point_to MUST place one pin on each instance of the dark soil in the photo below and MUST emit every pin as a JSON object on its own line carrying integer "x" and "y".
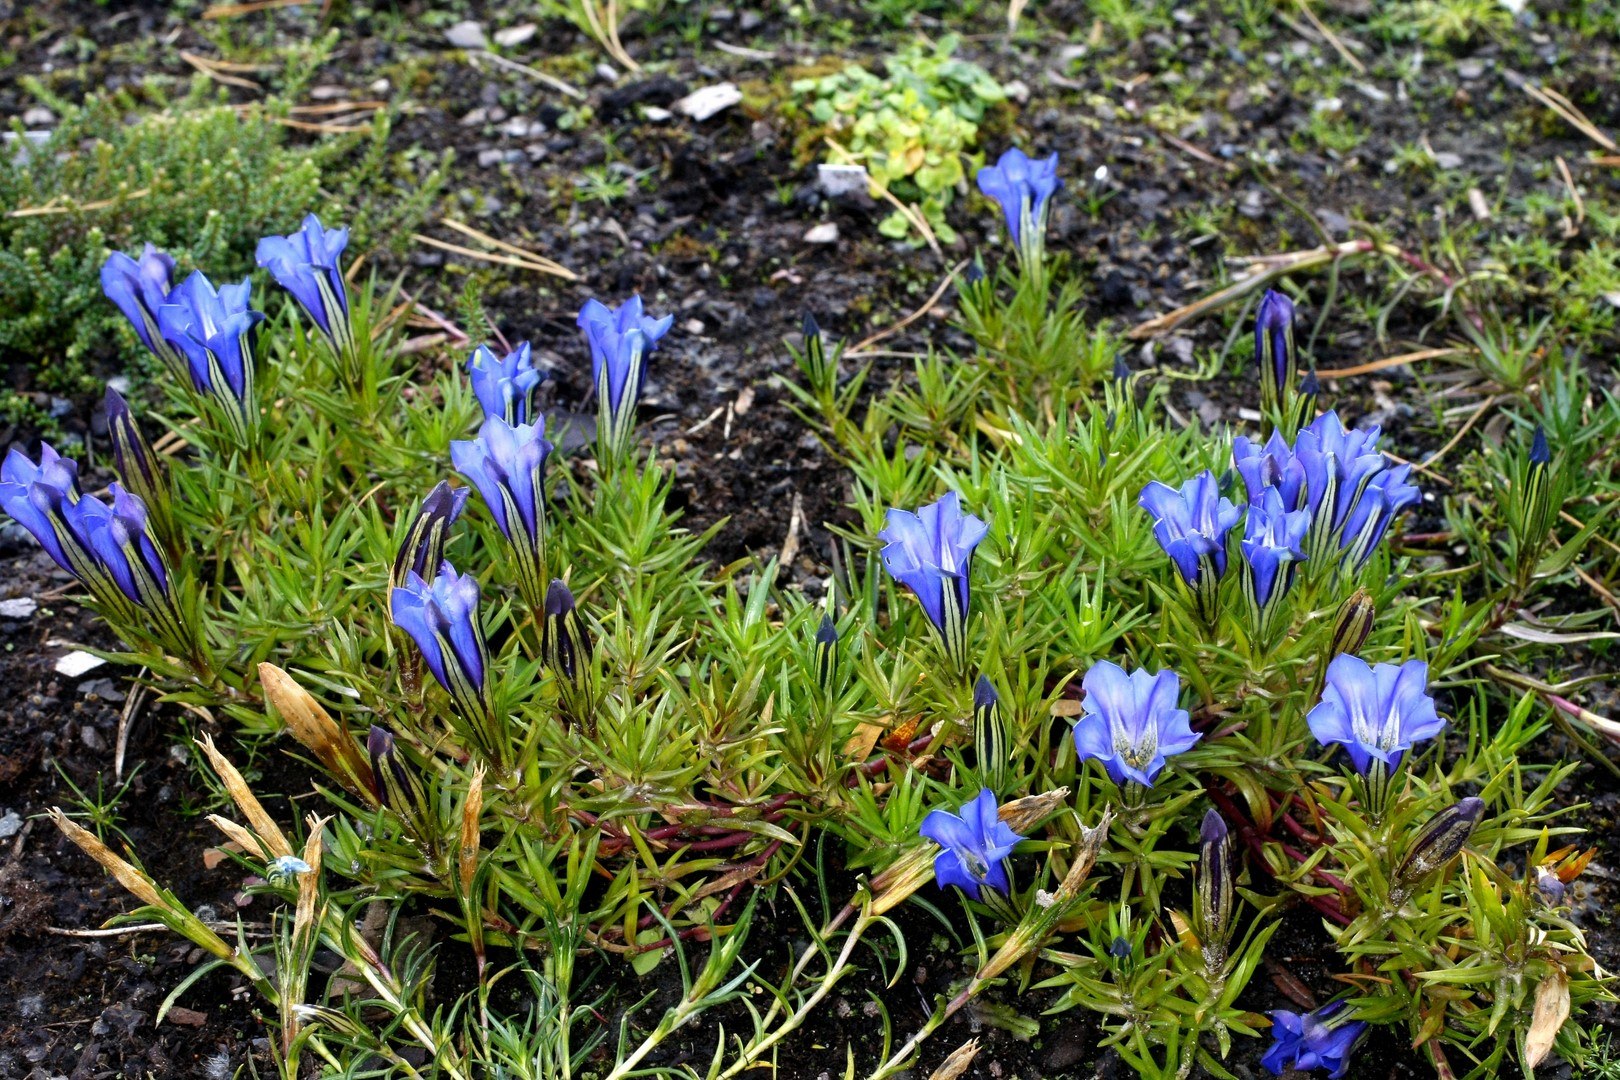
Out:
{"x": 713, "y": 231}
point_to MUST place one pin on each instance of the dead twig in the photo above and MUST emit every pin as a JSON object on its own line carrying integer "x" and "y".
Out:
{"x": 1455, "y": 439}
{"x": 928, "y": 305}
{"x": 1388, "y": 362}
{"x": 537, "y": 75}
{"x": 1332, "y": 39}
{"x": 1563, "y": 107}
{"x": 503, "y": 260}
{"x": 55, "y": 207}
{"x": 553, "y": 266}
{"x": 231, "y": 11}
{"x": 218, "y": 70}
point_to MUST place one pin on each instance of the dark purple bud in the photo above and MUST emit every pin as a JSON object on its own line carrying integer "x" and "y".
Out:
{"x": 1215, "y": 895}
{"x": 1310, "y": 385}
{"x": 1122, "y": 370}
{"x": 1440, "y": 841}
{"x": 826, "y": 651}
{"x": 975, "y": 272}
{"x": 1549, "y": 886}
{"x": 422, "y": 552}
{"x": 1539, "y": 453}
{"x": 811, "y": 328}
{"x": 989, "y": 736}
{"x": 565, "y": 645}
{"x": 1274, "y": 348}
{"x": 1120, "y": 949}
{"x": 1352, "y": 624}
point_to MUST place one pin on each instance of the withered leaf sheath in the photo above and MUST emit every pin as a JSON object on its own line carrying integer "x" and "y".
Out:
{"x": 1439, "y": 842}
{"x": 989, "y": 736}
{"x": 1216, "y": 891}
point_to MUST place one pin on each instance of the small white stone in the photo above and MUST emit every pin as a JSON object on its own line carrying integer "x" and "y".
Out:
{"x": 693, "y": 326}
{"x": 837, "y": 181}
{"x": 825, "y": 233}
{"x": 1613, "y": 298}
{"x": 656, "y": 115}
{"x": 78, "y": 662}
{"x": 1329, "y": 105}
{"x": 467, "y": 34}
{"x": 20, "y": 608}
{"x": 513, "y": 36}
{"x": 37, "y": 117}
{"x": 705, "y": 102}
{"x": 10, "y": 825}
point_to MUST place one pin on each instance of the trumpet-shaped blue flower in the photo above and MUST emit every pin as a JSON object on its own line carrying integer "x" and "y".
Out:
{"x": 620, "y": 339}
{"x": 1377, "y": 712}
{"x": 441, "y": 616}
{"x": 505, "y": 385}
{"x": 1130, "y": 723}
{"x": 931, "y": 553}
{"x": 1272, "y": 539}
{"x": 1322, "y": 1039}
{"x": 1273, "y": 465}
{"x": 1191, "y": 526}
{"x": 138, "y": 288}
{"x": 507, "y": 464}
{"x": 1022, "y": 186}
{"x": 35, "y": 495}
{"x": 974, "y": 841}
{"x": 1385, "y": 495}
{"x": 1339, "y": 463}
{"x": 308, "y": 264}
{"x": 213, "y": 329}
{"x": 110, "y": 549}
{"x": 1274, "y": 348}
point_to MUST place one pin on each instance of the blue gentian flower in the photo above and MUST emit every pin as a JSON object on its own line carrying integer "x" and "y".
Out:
{"x": 974, "y": 841}
{"x": 507, "y": 464}
{"x": 504, "y": 386}
{"x": 213, "y": 329}
{"x": 1022, "y": 186}
{"x": 1274, "y": 349}
{"x": 139, "y": 287}
{"x": 931, "y": 553}
{"x": 1315, "y": 1040}
{"x": 442, "y": 618}
{"x": 35, "y": 496}
{"x": 1130, "y": 723}
{"x": 1377, "y": 712}
{"x": 1191, "y": 526}
{"x": 1272, "y": 539}
{"x": 1273, "y": 465}
{"x": 1338, "y": 465}
{"x": 111, "y": 550}
{"x": 308, "y": 264}
{"x": 620, "y": 339}
{"x": 1385, "y": 495}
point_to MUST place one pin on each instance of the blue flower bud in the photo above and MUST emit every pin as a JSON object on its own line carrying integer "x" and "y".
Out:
{"x": 931, "y": 553}
{"x": 1023, "y": 187}
{"x": 308, "y": 264}
{"x": 422, "y": 551}
{"x": 620, "y": 340}
{"x": 505, "y": 386}
{"x": 213, "y": 329}
{"x": 507, "y": 464}
{"x": 139, "y": 287}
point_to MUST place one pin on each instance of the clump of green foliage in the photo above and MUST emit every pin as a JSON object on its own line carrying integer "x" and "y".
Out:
{"x": 201, "y": 179}
{"x": 915, "y": 128}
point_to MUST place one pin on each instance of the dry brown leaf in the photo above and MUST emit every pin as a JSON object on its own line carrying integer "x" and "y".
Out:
{"x": 1551, "y": 1010}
